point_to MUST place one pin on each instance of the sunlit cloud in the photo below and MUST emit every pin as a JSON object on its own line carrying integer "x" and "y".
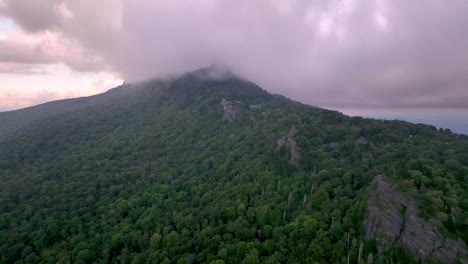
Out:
{"x": 10, "y": 101}
{"x": 26, "y": 85}
{"x": 47, "y": 47}
{"x": 329, "y": 53}
{"x": 381, "y": 20}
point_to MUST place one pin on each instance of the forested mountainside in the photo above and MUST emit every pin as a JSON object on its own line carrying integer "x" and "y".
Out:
{"x": 208, "y": 170}
{"x": 15, "y": 120}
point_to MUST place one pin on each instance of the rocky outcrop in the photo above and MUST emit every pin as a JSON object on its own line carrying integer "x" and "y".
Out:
{"x": 231, "y": 110}
{"x": 392, "y": 220}
{"x": 290, "y": 142}
{"x": 256, "y": 107}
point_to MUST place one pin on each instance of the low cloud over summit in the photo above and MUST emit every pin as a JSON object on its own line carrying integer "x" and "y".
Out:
{"x": 376, "y": 54}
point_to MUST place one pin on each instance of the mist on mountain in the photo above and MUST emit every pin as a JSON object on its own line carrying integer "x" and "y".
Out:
{"x": 208, "y": 167}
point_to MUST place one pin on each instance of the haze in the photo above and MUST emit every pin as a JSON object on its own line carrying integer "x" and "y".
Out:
{"x": 370, "y": 54}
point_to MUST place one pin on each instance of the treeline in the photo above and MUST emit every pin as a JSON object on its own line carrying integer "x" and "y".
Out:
{"x": 166, "y": 180}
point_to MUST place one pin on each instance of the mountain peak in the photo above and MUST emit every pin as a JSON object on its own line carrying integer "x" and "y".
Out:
{"x": 160, "y": 170}
{"x": 214, "y": 72}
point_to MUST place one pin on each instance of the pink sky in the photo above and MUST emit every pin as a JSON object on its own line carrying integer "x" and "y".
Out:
{"x": 39, "y": 72}
{"x": 341, "y": 54}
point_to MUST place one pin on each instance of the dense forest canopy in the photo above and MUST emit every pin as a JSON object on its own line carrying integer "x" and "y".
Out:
{"x": 168, "y": 172}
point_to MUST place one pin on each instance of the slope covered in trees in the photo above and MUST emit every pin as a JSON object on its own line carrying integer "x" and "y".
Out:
{"x": 159, "y": 175}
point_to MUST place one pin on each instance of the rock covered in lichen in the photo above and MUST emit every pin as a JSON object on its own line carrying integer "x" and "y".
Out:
{"x": 231, "y": 109}
{"x": 290, "y": 142}
{"x": 392, "y": 220}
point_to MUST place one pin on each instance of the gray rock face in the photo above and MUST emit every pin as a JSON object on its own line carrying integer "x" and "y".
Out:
{"x": 393, "y": 221}
{"x": 290, "y": 142}
{"x": 231, "y": 110}
{"x": 256, "y": 107}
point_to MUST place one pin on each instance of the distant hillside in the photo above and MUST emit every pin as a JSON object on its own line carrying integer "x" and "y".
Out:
{"x": 455, "y": 120}
{"x": 12, "y": 121}
{"x": 210, "y": 168}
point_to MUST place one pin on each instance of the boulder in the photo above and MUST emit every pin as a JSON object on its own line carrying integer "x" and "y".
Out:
{"x": 290, "y": 142}
{"x": 231, "y": 110}
{"x": 393, "y": 220}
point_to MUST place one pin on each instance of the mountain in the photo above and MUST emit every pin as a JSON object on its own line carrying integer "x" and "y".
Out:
{"x": 210, "y": 168}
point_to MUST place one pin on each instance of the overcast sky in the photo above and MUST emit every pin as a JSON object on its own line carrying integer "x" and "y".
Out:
{"x": 372, "y": 54}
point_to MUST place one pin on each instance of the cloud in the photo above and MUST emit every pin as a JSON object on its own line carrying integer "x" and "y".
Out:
{"x": 9, "y": 101}
{"x": 16, "y": 100}
{"x": 368, "y": 53}
{"x": 23, "y": 85}
{"x": 21, "y": 69}
{"x": 47, "y": 47}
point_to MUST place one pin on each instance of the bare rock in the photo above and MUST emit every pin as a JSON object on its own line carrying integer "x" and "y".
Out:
{"x": 290, "y": 142}
{"x": 256, "y": 107}
{"x": 231, "y": 109}
{"x": 392, "y": 219}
